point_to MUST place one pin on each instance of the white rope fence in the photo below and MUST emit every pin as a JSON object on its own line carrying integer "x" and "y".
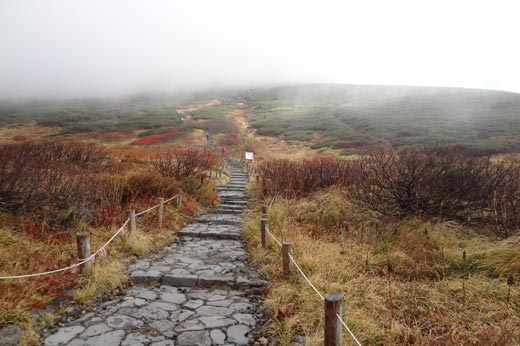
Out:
{"x": 274, "y": 238}
{"x": 309, "y": 282}
{"x": 101, "y": 250}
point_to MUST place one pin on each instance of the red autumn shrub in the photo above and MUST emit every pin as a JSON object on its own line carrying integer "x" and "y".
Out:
{"x": 45, "y": 178}
{"x": 186, "y": 162}
{"x": 293, "y": 179}
{"x": 20, "y": 138}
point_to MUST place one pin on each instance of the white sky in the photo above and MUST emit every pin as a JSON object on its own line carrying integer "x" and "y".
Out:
{"x": 72, "y": 48}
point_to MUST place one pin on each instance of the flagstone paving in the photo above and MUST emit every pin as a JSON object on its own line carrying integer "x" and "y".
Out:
{"x": 200, "y": 290}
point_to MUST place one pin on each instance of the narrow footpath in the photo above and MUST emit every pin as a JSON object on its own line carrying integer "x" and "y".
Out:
{"x": 200, "y": 290}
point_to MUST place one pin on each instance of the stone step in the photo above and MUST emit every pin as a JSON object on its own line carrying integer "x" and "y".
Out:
{"x": 229, "y": 211}
{"x": 230, "y": 207}
{"x": 216, "y": 231}
{"x": 242, "y": 203}
{"x": 233, "y": 195}
{"x": 235, "y": 201}
{"x": 198, "y": 262}
{"x": 237, "y": 184}
{"x": 241, "y": 189}
{"x": 230, "y": 189}
{"x": 232, "y": 186}
{"x": 219, "y": 219}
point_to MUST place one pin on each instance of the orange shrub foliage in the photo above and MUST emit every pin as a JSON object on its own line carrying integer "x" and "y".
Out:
{"x": 184, "y": 163}
{"x": 169, "y": 134}
{"x": 45, "y": 177}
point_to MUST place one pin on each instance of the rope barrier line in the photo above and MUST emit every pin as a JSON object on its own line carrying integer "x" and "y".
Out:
{"x": 169, "y": 199}
{"x": 85, "y": 260}
{"x": 147, "y": 210}
{"x": 155, "y": 206}
{"x": 274, "y": 238}
{"x": 306, "y": 278}
{"x": 314, "y": 288}
{"x": 120, "y": 230}
{"x": 72, "y": 266}
{"x": 323, "y": 298}
{"x": 309, "y": 281}
{"x": 348, "y": 330}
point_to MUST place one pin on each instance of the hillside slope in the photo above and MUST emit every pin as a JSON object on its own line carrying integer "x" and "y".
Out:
{"x": 357, "y": 116}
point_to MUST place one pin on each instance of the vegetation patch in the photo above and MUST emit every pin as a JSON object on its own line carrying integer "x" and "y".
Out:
{"x": 349, "y": 116}
{"x": 404, "y": 282}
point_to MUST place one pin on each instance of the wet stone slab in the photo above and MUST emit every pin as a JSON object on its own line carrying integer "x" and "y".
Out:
{"x": 233, "y": 194}
{"x": 163, "y": 316}
{"x": 197, "y": 262}
{"x": 220, "y": 219}
{"x": 211, "y": 231}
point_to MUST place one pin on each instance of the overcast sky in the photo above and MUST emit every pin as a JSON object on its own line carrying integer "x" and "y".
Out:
{"x": 68, "y": 48}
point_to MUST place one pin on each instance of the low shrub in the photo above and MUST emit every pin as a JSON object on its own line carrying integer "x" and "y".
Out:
{"x": 46, "y": 178}
{"x": 184, "y": 163}
{"x": 442, "y": 182}
{"x": 293, "y": 179}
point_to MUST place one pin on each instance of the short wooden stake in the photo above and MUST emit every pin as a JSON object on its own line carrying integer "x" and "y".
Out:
{"x": 286, "y": 260}
{"x": 160, "y": 212}
{"x": 133, "y": 223}
{"x": 179, "y": 199}
{"x": 264, "y": 209}
{"x": 263, "y": 229}
{"x": 83, "y": 243}
{"x": 333, "y": 331}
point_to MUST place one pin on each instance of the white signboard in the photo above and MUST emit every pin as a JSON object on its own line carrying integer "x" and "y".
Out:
{"x": 249, "y": 156}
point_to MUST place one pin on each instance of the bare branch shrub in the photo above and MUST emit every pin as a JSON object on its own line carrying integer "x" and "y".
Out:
{"x": 186, "y": 162}
{"x": 44, "y": 178}
{"x": 443, "y": 181}
{"x": 296, "y": 179}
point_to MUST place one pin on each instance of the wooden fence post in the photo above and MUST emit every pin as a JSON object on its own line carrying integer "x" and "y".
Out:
{"x": 179, "y": 199}
{"x": 263, "y": 229}
{"x": 83, "y": 243}
{"x": 133, "y": 223}
{"x": 264, "y": 209}
{"x": 333, "y": 331}
{"x": 286, "y": 260}
{"x": 160, "y": 212}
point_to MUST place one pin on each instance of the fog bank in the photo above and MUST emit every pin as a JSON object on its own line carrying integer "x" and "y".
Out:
{"x": 60, "y": 48}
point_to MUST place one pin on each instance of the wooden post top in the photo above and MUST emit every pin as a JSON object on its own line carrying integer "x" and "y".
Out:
{"x": 333, "y": 296}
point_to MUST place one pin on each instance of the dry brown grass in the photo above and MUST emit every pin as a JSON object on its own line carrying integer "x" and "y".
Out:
{"x": 425, "y": 305}
{"x": 19, "y": 298}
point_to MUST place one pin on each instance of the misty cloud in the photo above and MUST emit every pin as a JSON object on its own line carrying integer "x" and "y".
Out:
{"x": 64, "y": 48}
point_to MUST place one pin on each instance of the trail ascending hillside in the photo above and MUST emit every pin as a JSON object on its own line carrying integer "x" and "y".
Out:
{"x": 199, "y": 291}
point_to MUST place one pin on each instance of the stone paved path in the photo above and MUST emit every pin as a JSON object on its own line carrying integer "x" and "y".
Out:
{"x": 198, "y": 291}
